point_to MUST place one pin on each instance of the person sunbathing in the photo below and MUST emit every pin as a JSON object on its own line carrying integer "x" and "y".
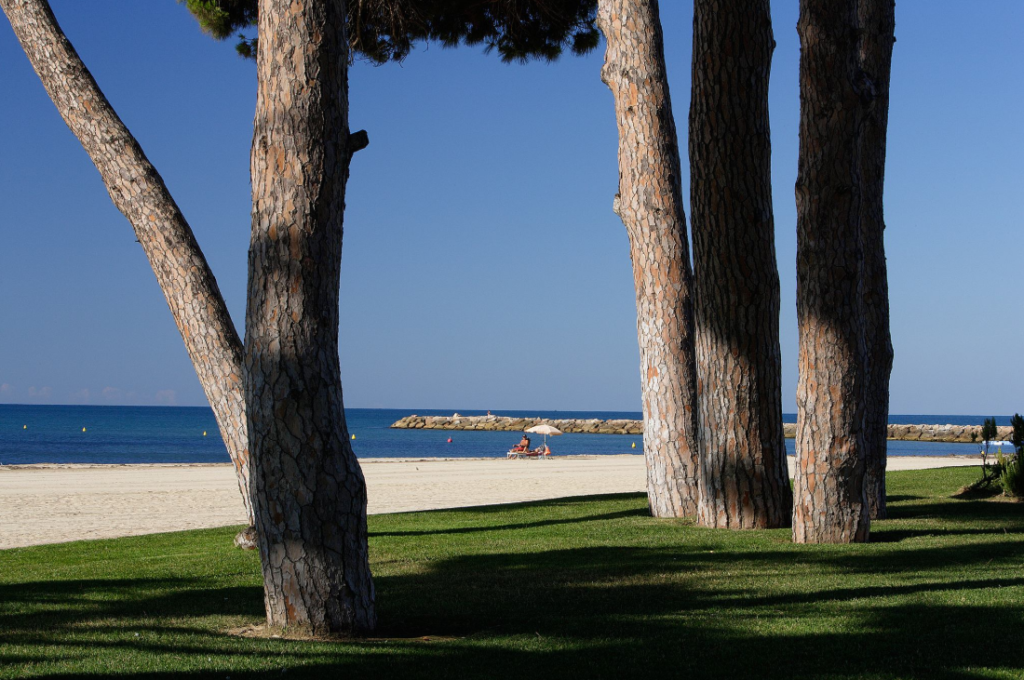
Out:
{"x": 523, "y": 445}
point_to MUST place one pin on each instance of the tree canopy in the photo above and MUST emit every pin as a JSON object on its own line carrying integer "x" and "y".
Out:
{"x": 386, "y": 30}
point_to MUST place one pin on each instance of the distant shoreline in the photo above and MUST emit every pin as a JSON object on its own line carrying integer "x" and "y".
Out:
{"x": 948, "y": 433}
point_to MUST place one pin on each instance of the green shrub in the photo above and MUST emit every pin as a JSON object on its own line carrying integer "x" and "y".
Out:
{"x": 989, "y": 430}
{"x": 1012, "y": 476}
{"x": 990, "y": 472}
{"x": 1017, "y": 436}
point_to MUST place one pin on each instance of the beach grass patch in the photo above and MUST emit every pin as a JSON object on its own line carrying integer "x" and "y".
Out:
{"x": 574, "y": 588}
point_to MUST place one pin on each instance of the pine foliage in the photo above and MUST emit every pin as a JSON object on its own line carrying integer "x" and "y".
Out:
{"x": 989, "y": 430}
{"x": 1017, "y": 435}
{"x": 386, "y": 30}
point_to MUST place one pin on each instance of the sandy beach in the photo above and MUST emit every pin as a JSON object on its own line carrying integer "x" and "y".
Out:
{"x": 57, "y": 503}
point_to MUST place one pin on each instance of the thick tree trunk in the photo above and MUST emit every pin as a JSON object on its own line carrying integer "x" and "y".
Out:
{"x": 830, "y": 505}
{"x": 308, "y": 490}
{"x": 744, "y": 477}
{"x": 138, "y": 191}
{"x": 878, "y": 26}
{"x": 651, "y": 207}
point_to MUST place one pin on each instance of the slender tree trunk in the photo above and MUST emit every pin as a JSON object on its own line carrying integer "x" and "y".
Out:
{"x": 830, "y": 504}
{"x": 651, "y": 207}
{"x": 138, "y": 191}
{"x": 744, "y": 476}
{"x": 878, "y": 26}
{"x": 308, "y": 490}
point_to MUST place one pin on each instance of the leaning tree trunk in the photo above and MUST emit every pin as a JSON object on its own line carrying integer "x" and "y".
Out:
{"x": 138, "y": 191}
{"x": 744, "y": 476}
{"x": 830, "y": 505}
{"x": 308, "y": 490}
{"x": 878, "y": 25}
{"x": 651, "y": 207}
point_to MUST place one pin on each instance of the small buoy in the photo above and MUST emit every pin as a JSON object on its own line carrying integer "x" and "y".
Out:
{"x": 204, "y": 433}
{"x": 353, "y": 436}
{"x": 634, "y": 445}
{"x": 83, "y": 429}
{"x": 24, "y": 427}
{"x": 449, "y": 440}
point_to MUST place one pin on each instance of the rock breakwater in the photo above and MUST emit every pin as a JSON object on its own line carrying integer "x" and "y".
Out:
{"x": 508, "y": 424}
{"x": 923, "y": 433}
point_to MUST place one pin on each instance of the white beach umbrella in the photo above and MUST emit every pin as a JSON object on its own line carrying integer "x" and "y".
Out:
{"x": 545, "y": 430}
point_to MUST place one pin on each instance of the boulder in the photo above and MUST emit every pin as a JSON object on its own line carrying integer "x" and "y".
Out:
{"x": 246, "y": 539}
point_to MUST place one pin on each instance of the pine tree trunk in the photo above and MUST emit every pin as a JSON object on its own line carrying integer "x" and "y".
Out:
{"x": 138, "y": 191}
{"x": 651, "y": 207}
{"x": 830, "y": 505}
{"x": 308, "y": 490}
{"x": 878, "y": 25}
{"x": 744, "y": 476}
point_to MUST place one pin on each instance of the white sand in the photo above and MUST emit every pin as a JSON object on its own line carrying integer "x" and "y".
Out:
{"x": 57, "y": 503}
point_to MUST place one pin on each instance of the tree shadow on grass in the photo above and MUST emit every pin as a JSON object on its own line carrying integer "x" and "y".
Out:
{"x": 568, "y": 614}
{"x": 900, "y": 535}
{"x": 969, "y": 510}
{"x": 505, "y": 508}
{"x": 55, "y": 605}
{"x": 513, "y": 526}
{"x": 956, "y": 516}
{"x": 692, "y": 604}
{"x": 902, "y": 498}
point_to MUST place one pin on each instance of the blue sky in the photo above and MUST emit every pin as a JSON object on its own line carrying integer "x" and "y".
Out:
{"x": 483, "y": 267}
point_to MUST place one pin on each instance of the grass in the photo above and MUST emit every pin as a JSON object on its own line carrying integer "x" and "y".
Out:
{"x": 577, "y": 588}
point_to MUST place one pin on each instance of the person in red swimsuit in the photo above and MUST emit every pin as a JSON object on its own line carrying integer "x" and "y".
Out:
{"x": 523, "y": 445}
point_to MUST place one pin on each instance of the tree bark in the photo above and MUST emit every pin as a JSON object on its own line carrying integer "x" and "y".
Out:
{"x": 308, "y": 490}
{"x": 830, "y": 504}
{"x": 138, "y": 191}
{"x": 744, "y": 476}
{"x": 878, "y": 26}
{"x": 651, "y": 207}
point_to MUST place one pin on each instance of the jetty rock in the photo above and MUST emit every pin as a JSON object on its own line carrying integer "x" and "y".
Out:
{"x": 514, "y": 424}
{"x": 964, "y": 434}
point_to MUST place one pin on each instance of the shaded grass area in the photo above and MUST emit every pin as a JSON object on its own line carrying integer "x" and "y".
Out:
{"x": 577, "y": 588}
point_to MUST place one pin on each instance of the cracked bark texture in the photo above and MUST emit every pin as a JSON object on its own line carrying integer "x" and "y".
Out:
{"x": 830, "y": 505}
{"x": 138, "y": 191}
{"x": 308, "y": 490}
{"x": 878, "y": 26}
{"x": 651, "y": 207}
{"x": 743, "y": 475}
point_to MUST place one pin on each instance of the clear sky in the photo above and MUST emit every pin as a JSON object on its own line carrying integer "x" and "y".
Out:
{"x": 483, "y": 267}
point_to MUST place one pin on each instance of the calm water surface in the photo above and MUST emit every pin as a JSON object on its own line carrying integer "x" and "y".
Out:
{"x": 155, "y": 434}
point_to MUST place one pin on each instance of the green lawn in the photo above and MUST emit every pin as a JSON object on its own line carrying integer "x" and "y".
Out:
{"x": 580, "y": 588}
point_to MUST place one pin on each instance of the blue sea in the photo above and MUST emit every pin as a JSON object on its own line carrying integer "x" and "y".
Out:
{"x": 155, "y": 434}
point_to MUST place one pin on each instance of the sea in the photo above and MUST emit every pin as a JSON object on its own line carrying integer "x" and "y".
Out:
{"x": 156, "y": 434}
